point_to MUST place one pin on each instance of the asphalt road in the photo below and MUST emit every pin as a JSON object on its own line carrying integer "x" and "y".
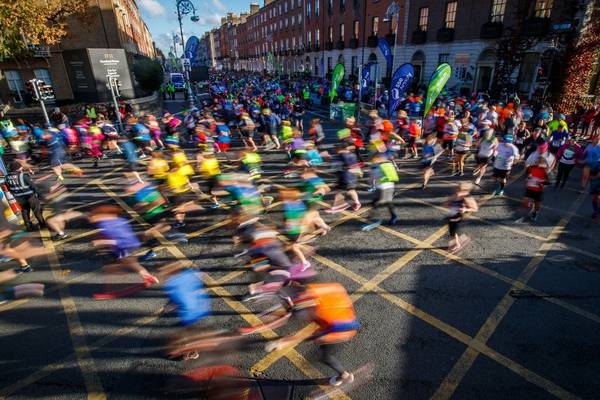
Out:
{"x": 513, "y": 315}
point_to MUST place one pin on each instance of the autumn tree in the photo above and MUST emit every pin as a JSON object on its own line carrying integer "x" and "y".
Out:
{"x": 27, "y": 23}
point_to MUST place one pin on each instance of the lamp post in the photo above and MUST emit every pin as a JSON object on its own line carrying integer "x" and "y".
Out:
{"x": 185, "y": 7}
{"x": 393, "y": 12}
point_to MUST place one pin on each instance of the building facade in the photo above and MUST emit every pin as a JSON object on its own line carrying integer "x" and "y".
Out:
{"x": 312, "y": 36}
{"x": 112, "y": 24}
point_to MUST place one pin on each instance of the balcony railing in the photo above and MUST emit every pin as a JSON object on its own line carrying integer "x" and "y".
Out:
{"x": 491, "y": 30}
{"x": 340, "y": 45}
{"x": 419, "y": 37}
{"x": 536, "y": 27}
{"x": 372, "y": 41}
{"x": 354, "y": 43}
{"x": 445, "y": 35}
{"x": 328, "y": 45}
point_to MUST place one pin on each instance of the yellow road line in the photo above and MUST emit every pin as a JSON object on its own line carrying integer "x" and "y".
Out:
{"x": 296, "y": 358}
{"x": 462, "y": 366}
{"x": 367, "y": 285}
{"x": 480, "y": 268}
{"x": 82, "y": 351}
{"x": 449, "y": 330}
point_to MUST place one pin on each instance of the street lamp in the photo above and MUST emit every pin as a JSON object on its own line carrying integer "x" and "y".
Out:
{"x": 393, "y": 11}
{"x": 185, "y": 7}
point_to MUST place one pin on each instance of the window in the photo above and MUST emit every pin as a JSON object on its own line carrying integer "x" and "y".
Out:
{"x": 342, "y": 33}
{"x": 497, "y": 13}
{"x": 285, "y": 7}
{"x": 317, "y": 36}
{"x": 309, "y": 38}
{"x": 308, "y": 10}
{"x": 15, "y": 84}
{"x": 279, "y": 8}
{"x": 543, "y": 8}
{"x": 342, "y": 5}
{"x": 423, "y": 18}
{"x": 330, "y": 7}
{"x": 286, "y": 23}
{"x": 317, "y": 7}
{"x": 299, "y": 19}
{"x": 450, "y": 15}
{"x": 330, "y": 33}
{"x": 355, "y": 30}
{"x": 375, "y": 26}
{"x": 293, "y": 20}
{"x": 43, "y": 74}
{"x": 14, "y": 80}
{"x": 443, "y": 57}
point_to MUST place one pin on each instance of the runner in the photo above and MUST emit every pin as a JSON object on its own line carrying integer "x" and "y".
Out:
{"x": 458, "y": 204}
{"x": 486, "y": 149}
{"x": 506, "y": 155}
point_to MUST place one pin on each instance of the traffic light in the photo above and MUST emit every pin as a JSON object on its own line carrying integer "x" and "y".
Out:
{"x": 46, "y": 92}
{"x": 32, "y": 89}
{"x": 39, "y": 90}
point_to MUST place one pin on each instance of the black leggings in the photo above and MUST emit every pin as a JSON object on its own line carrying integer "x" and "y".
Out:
{"x": 563, "y": 174}
{"x": 328, "y": 357}
{"x": 453, "y": 225}
{"x": 28, "y": 204}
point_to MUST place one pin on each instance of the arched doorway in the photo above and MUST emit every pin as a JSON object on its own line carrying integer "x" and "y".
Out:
{"x": 484, "y": 72}
{"x": 418, "y": 62}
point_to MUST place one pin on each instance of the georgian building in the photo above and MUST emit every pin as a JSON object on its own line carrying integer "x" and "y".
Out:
{"x": 313, "y": 36}
{"x": 112, "y": 24}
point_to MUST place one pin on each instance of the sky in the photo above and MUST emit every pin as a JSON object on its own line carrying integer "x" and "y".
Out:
{"x": 161, "y": 18}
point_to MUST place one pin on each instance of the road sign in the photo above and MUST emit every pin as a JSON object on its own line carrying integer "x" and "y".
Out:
{"x": 186, "y": 64}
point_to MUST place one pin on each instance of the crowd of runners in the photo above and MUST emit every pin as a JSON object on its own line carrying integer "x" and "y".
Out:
{"x": 210, "y": 158}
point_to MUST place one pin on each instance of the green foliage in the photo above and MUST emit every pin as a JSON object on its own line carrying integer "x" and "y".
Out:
{"x": 148, "y": 73}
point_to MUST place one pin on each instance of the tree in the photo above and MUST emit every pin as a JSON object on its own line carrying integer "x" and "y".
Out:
{"x": 148, "y": 73}
{"x": 579, "y": 79}
{"x": 27, "y": 23}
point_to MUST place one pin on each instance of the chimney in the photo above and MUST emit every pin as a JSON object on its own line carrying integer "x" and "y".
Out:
{"x": 254, "y": 7}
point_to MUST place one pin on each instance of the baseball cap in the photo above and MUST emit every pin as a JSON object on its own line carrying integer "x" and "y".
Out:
{"x": 508, "y": 138}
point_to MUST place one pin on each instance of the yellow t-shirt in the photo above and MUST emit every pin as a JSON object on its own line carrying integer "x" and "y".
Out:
{"x": 178, "y": 180}
{"x": 210, "y": 167}
{"x": 158, "y": 168}
{"x": 179, "y": 158}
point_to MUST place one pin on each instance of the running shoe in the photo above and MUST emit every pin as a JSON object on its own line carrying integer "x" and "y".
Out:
{"x": 24, "y": 269}
{"x": 338, "y": 380}
{"x": 337, "y": 209}
{"x": 368, "y": 227}
{"x": 59, "y": 236}
{"x": 150, "y": 254}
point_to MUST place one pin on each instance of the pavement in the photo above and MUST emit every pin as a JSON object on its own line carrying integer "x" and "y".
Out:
{"x": 513, "y": 315}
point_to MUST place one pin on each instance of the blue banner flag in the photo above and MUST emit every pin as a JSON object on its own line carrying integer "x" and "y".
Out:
{"x": 384, "y": 46}
{"x": 366, "y": 76}
{"x": 191, "y": 49}
{"x": 401, "y": 80}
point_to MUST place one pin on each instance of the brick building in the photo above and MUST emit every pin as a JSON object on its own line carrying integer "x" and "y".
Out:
{"x": 113, "y": 24}
{"x": 315, "y": 35}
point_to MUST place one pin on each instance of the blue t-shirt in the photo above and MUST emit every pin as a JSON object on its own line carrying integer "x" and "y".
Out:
{"x": 185, "y": 290}
{"x": 119, "y": 230}
{"x": 593, "y": 156}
